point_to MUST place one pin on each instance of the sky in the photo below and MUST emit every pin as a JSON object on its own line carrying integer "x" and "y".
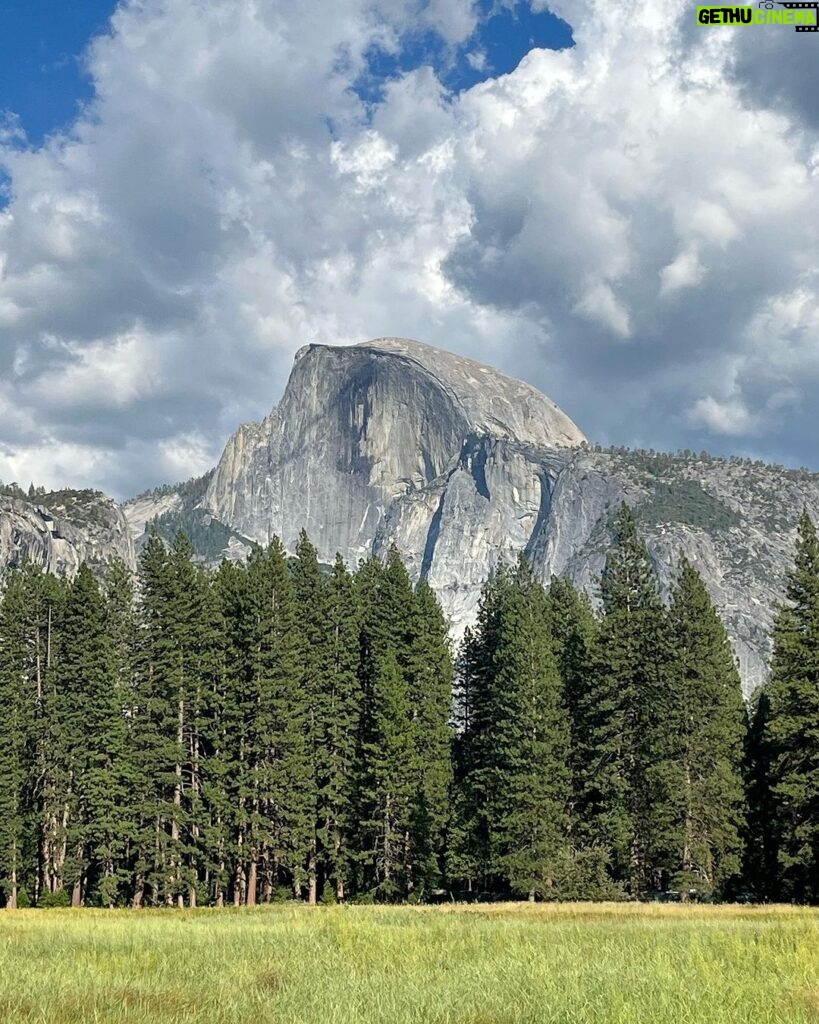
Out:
{"x": 598, "y": 196}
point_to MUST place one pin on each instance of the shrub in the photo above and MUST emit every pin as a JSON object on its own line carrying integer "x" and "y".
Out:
{"x": 54, "y": 900}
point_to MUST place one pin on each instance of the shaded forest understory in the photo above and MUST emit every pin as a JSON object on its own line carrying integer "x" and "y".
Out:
{"x": 274, "y": 730}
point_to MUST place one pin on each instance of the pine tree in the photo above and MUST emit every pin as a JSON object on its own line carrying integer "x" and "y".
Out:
{"x": 231, "y": 730}
{"x": 574, "y": 636}
{"x": 389, "y": 755}
{"x": 701, "y": 777}
{"x": 88, "y": 726}
{"x": 315, "y": 658}
{"x": 279, "y": 821}
{"x": 463, "y": 845}
{"x": 16, "y": 738}
{"x": 41, "y": 598}
{"x": 342, "y": 699}
{"x": 174, "y": 652}
{"x": 760, "y": 867}
{"x": 384, "y": 781}
{"x": 518, "y": 742}
{"x": 121, "y": 627}
{"x": 153, "y": 728}
{"x": 430, "y": 673}
{"x": 627, "y": 714}
{"x": 793, "y": 724}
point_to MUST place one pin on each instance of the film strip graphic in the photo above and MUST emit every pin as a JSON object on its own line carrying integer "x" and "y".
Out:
{"x": 814, "y": 5}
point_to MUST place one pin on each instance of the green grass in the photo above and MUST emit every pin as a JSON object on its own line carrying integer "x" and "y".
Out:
{"x": 504, "y": 964}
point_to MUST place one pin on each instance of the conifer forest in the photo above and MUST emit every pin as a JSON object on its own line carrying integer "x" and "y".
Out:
{"x": 281, "y": 729}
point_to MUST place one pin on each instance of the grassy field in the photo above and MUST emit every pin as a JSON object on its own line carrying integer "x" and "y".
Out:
{"x": 502, "y": 964}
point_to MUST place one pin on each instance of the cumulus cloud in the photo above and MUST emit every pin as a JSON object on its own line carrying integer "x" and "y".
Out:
{"x": 633, "y": 216}
{"x": 685, "y": 271}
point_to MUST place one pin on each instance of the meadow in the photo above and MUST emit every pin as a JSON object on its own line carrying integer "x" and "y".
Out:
{"x": 497, "y": 964}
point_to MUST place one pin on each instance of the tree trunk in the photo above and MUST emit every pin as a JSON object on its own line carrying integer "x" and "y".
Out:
{"x": 387, "y": 841}
{"x": 11, "y": 902}
{"x": 59, "y": 859}
{"x": 252, "y": 880}
{"x": 176, "y": 874}
{"x": 337, "y": 864}
{"x": 312, "y": 880}
{"x": 409, "y": 880}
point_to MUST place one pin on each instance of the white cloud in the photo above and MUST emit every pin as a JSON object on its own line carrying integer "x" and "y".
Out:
{"x": 601, "y": 304}
{"x": 685, "y": 271}
{"x": 625, "y": 216}
{"x": 724, "y": 416}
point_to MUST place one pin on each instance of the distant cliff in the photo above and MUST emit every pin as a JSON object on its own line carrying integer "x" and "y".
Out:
{"x": 62, "y": 529}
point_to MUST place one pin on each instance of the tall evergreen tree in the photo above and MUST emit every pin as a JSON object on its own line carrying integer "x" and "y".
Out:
{"x": 760, "y": 868}
{"x": 16, "y": 738}
{"x": 388, "y": 797}
{"x": 88, "y": 728}
{"x": 174, "y": 652}
{"x": 430, "y": 674}
{"x": 229, "y": 784}
{"x": 574, "y": 636}
{"x": 38, "y": 616}
{"x": 518, "y": 775}
{"x": 627, "y": 714}
{"x": 315, "y": 657}
{"x": 121, "y": 627}
{"x": 701, "y": 777}
{"x": 153, "y": 728}
{"x": 793, "y": 724}
{"x": 342, "y": 704}
{"x": 279, "y": 822}
{"x": 465, "y": 854}
{"x": 384, "y": 783}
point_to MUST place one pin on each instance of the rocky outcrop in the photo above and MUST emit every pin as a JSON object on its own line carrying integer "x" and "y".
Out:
{"x": 141, "y": 511}
{"x": 358, "y": 429}
{"x": 62, "y": 530}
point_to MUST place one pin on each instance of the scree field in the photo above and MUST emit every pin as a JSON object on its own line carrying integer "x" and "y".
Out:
{"x": 504, "y": 964}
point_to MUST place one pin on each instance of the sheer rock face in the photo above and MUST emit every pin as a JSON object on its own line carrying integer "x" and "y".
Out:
{"x": 74, "y": 527}
{"x": 140, "y": 511}
{"x": 361, "y": 428}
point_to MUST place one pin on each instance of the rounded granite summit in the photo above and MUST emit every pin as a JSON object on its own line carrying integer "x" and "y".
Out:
{"x": 492, "y": 403}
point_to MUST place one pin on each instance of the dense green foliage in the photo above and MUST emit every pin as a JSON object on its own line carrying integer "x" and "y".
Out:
{"x": 265, "y": 731}
{"x": 208, "y": 536}
{"x": 685, "y": 501}
{"x": 785, "y": 751}
{"x": 275, "y": 730}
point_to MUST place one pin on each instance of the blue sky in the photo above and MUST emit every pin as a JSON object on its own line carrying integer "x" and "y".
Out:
{"x": 42, "y": 78}
{"x": 504, "y": 35}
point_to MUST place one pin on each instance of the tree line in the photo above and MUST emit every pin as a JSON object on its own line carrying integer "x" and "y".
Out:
{"x": 280, "y": 729}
